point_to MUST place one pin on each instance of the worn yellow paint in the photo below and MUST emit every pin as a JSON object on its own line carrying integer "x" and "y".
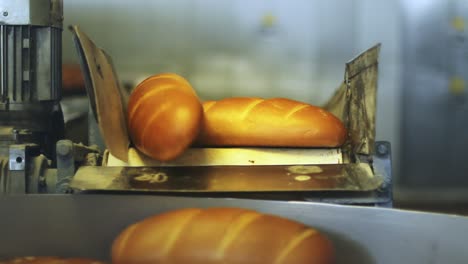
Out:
{"x": 458, "y": 23}
{"x": 457, "y": 85}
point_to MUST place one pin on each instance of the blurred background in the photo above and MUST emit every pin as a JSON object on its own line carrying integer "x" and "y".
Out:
{"x": 298, "y": 49}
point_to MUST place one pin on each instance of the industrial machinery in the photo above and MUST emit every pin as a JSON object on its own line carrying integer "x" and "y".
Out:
{"x": 357, "y": 173}
{"x": 353, "y": 174}
{"x": 97, "y": 192}
{"x": 31, "y": 119}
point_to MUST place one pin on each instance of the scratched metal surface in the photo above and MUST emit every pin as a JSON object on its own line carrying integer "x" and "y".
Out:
{"x": 355, "y": 101}
{"x": 108, "y": 100}
{"x": 276, "y": 178}
{"x": 238, "y": 156}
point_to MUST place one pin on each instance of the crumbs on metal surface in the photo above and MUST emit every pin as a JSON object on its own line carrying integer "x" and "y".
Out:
{"x": 152, "y": 177}
{"x": 302, "y": 178}
{"x": 298, "y": 169}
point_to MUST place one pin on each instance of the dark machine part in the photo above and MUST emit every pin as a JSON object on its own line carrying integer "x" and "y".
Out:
{"x": 27, "y": 171}
{"x": 31, "y": 119}
{"x": 70, "y": 156}
{"x": 30, "y": 74}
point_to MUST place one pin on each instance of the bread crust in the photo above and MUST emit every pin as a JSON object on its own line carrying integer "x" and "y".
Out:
{"x": 50, "y": 260}
{"x": 164, "y": 116}
{"x": 276, "y": 122}
{"x": 220, "y": 235}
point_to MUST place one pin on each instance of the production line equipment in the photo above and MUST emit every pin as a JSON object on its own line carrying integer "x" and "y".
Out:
{"x": 37, "y": 159}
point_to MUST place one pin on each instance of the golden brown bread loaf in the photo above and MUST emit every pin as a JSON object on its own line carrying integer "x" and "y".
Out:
{"x": 164, "y": 116}
{"x": 50, "y": 260}
{"x": 72, "y": 78}
{"x": 220, "y": 235}
{"x": 276, "y": 122}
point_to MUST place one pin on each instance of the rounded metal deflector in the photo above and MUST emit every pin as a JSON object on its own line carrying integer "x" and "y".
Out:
{"x": 107, "y": 99}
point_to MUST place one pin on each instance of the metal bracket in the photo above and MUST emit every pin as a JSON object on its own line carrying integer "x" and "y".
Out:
{"x": 18, "y": 179}
{"x": 65, "y": 165}
{"x": 382, "y": 197}
{"x": 68, "y": 155}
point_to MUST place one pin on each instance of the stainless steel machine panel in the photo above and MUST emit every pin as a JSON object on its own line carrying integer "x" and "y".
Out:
{"x": 30, "y": 74}
{"x": 85, "y": 225}
{"x": 435, "y": 95}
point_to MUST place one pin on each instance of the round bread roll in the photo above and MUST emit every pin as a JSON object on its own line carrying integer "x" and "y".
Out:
{"x": 50, "y": 260}
{"x": 164, "y": 116}
{"x": 220, "y": 235}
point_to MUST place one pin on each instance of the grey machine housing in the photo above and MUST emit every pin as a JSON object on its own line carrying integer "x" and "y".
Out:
{"x": 31, "y": 119}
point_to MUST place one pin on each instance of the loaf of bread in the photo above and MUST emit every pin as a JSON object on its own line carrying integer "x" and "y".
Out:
{"x": 277, "y": 122}
{"x": 72, "y": 79}
{"x": 50, "y": 260}
{"x": 220, "y": 235}
{"x": 164, "y": 116}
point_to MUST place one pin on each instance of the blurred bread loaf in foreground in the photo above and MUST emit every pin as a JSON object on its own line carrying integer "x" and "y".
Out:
{"x": 164, "y": 116}
{"x": 220, "y": 235}
{"x": 50, "y": 260}
{"x": 277, "y": 122}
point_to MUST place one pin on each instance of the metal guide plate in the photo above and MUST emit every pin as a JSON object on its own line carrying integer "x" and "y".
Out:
{"x": 107, "y": 98}
{"x": 237, "y": 156}
{"x": 275, "y": 178}
{"x": 354, "y": 102}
